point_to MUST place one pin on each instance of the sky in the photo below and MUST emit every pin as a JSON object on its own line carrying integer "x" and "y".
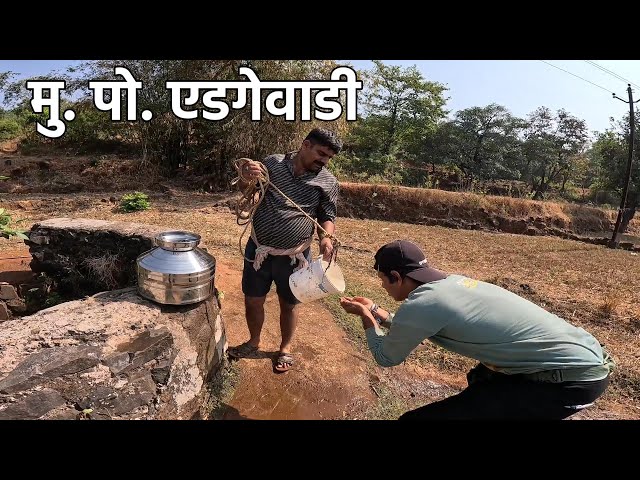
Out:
{"x": 524, "y": 85}
{"x": 519, "y": 85}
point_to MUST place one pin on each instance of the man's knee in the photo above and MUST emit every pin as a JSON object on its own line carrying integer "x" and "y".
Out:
{"x": 286, "y": 305}
{"x": 254, "y": 303}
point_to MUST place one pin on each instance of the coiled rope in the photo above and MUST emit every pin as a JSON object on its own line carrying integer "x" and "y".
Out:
{"x": 252, "y": 196}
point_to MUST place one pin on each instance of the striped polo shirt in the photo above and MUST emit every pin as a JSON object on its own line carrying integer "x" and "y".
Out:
{"x": 279, "y": 224}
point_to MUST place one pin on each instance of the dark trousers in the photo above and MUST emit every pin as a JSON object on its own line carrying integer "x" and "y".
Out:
{"x": 496, "y": 396}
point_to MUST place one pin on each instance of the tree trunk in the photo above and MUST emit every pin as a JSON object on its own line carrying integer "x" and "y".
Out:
{"x": 476, "y": 160}
{"x": 539, "y": 189}
{"x": 538, "y": 195}
{"x": 392, "y": 131}
{"x": 629, "y": 212}
{"x": 564, "y": 181}
{"x": 476, "y": 151}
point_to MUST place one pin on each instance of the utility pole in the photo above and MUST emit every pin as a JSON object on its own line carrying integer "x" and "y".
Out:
{"x": 613, "y": 243}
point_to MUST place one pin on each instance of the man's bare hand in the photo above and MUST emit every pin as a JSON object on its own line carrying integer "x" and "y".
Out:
{"x": 326, "y": 248}
{"x": 364, "y": 301}
{"x": 251, "y": 170}
{"x": 351, "y": 306}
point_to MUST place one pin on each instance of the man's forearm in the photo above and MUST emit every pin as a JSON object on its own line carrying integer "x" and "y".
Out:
{"x": 381, "y": 314}
{"x": 375, "y": 340}
{"x": 368, "y": 321}
{"x": 383, "y": 317}
{"x": 329, "y": 226}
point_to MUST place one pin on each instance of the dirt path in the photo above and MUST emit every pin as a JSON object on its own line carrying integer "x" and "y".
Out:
{"x": 328, "y": 381}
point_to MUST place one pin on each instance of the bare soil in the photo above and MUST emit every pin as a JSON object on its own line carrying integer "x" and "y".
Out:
{"x": 324, "y": 362}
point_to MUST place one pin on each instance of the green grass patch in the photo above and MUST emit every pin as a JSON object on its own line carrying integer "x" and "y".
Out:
{"x": 220, "y": 390}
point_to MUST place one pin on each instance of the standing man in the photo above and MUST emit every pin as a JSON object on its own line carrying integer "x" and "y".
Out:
{"x": 533, "y": 364}
{"x": 285, "y": 234}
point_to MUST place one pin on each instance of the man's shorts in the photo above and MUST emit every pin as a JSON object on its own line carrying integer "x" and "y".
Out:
{"x": 275, "y": 268}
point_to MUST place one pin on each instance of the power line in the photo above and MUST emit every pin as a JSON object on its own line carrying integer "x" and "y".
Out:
{"x": 605, "y": 70}
{"x": 610, "y": 72}
{"x": 578, "y": 76}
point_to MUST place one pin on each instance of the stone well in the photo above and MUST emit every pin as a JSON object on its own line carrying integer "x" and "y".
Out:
{"x": 113, "y": 354}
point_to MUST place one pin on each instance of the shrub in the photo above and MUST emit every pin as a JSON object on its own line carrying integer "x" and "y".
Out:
{"x": 5, "y": 230}
{"x": 9, "y": 128}
{"x": 133, "y": 202}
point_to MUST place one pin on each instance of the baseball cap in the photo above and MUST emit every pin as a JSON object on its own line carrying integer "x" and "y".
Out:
{"x": 404, "y": 257}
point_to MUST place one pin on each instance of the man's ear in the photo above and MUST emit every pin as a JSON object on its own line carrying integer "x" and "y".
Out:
{"x": 395, "y": 276}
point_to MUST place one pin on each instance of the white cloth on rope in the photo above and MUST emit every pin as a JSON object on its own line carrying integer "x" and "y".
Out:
{"x": 296, "y": 253}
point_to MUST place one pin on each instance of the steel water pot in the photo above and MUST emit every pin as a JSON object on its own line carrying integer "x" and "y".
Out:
{"x": 176, "y": 271}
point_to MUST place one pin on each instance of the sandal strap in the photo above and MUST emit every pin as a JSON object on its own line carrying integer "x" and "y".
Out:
{"x": 285, "y": 358}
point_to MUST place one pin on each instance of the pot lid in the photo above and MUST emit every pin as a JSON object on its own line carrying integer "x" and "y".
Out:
{"x": 178, "y": 241}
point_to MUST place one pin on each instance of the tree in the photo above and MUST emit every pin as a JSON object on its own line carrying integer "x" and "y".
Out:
{"x": 611, "y": 153}
{"x": 401, "y": 109}
{"x": 584, "y": 173}
{"x": 488, "y": 142}
{"x": 441, "y": 148}
{"x": 551, "y": 141}
{"x": 169, "y": 142}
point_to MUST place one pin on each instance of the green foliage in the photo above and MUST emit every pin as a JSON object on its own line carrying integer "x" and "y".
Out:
{"x": 5, "y": 230}
{"x": 133, "y": 202}
{"x": 168, "y": 143}
{"x": 91, "y": 128}
{"x": 402, "y": 137}
{"x": 375, "y": 168}
{"x": 611, "y": 154}
{"x": 27, "y": 118}
{"x": 488, "y": 144}
{"x": 344, "y": 165}
{"x": 53, "y": 299}
{"x": 9, "y": 128}
{"x": 401, "y": 109}
{"x": 5, "y": 77}
{"x": 552, "y": 142}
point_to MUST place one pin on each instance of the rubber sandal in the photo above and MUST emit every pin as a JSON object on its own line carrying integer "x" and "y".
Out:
{"x": 284, "y": 362}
